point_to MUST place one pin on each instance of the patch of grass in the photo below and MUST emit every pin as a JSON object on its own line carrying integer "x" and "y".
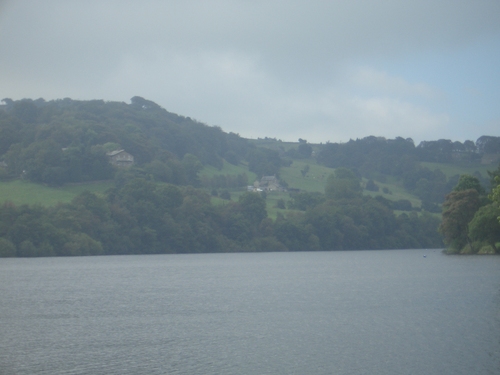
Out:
{"x": 229, "y": 169}
{"x": 272, "y": 199}
{"x": 22, "y": 192}
{"x": 396, "y": 192}
{"x": 316, "y": 177}
{"x": 314, "y": 180}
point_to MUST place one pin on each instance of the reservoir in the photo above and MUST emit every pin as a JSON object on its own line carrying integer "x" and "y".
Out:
{"x": 346, "y": 312}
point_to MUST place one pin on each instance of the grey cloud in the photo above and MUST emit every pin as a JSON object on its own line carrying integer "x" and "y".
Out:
{"x": 254, "y": 67}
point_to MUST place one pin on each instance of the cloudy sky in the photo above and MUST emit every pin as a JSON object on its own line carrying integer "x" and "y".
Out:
{"x": 318, "y": 70}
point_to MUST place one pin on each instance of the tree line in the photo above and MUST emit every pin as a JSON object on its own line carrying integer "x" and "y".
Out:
{"x": 147, "y": 217}
{"x": 377, "y": 158}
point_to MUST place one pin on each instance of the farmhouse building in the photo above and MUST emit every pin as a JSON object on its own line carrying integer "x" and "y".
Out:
{"x": 269, "y": 183}
{"x": 120, "y": 158}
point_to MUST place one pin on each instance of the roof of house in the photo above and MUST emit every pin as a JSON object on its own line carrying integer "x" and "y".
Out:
{"x": 113, "y": 153}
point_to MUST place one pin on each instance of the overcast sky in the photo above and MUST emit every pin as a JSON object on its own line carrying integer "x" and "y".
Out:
{"x": 318, "y": 70}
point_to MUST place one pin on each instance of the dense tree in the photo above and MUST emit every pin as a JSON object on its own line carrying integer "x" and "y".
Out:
{"x": 264, "y": 162}
{"x": 494, "y": 177}
{"x": 192, "y": 166}
{"x": 343, "y": 184}
{"x": 293, "y": 235}
{"x": 467, "y": 182}
{"x": 485, "y": 226}
{"x": 148, "y": 217}
{"x": 495, "y": 193}
{"x": 304, "y": 200}
{"x": 488, "y": 145}
{"x": 370, "y": 155}
{"x": 458, "y": 210}
{"x": 253, "y": 207}
{"x": 25, "y": 110}
{"x": 224, "y": 194}
{"x": 470, "y": 220}
{"x": 7, "y": 248}
{"x": 304, "y": 150}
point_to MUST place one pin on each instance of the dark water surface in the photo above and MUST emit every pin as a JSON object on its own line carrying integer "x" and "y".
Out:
{"x": 362, "y": 312}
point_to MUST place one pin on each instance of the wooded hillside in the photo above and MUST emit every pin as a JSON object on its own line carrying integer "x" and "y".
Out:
{"x": 162, "y": 203}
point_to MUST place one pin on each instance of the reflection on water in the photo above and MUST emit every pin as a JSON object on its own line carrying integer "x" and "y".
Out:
{"x": 366, "y": 312}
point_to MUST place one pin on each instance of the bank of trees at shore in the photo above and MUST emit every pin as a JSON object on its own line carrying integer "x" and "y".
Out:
{"x": 144, "y": 217}
{"x": 471, "y": 217}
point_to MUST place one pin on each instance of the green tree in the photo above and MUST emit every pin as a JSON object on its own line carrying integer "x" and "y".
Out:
{"x": 169, "y": 197}
{"x": 495, "y": 193}
{"x": 161, "y": 171}
{"x": 343, "y": 184}
{"x": 264, "y": 162}
{"x": 96, "y": 205}
{"x": 304, "y": 200}
{"x": 469, "y": 182}
{"x": 253, "y": 207}
{"x": 82, "y": 244}
{"x": 192, "y": 166}
{"x": 459, "y": 208}
{"x": 304, "y": 150}
{"x": 485, "y": 226}
{"x": 7, "y": 248}
{"x": 325, "y": 219}
{"x": 25, "y": 110}
{"x": 224, "y": 194}
{"x": 293, "y": 235}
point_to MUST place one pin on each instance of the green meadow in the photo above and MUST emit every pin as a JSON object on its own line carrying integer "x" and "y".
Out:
{"x": 23, "y": 192}
{"x": 313, "y": 181}
{"x": 228, "y": 169}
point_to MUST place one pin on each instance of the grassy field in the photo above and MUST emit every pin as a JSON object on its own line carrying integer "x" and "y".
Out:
{"x": 396, "y": 192}
{"x": 314, "y": 180}
{"x": 23, "y": 192}
{"x": 229, "y": 169}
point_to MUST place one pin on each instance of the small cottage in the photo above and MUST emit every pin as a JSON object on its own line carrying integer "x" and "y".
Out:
{"x": 269, "y": 183}
{"x": 120, "y": 158}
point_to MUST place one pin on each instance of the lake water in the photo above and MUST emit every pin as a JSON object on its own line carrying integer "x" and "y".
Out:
{"x": 357, "y": 312}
